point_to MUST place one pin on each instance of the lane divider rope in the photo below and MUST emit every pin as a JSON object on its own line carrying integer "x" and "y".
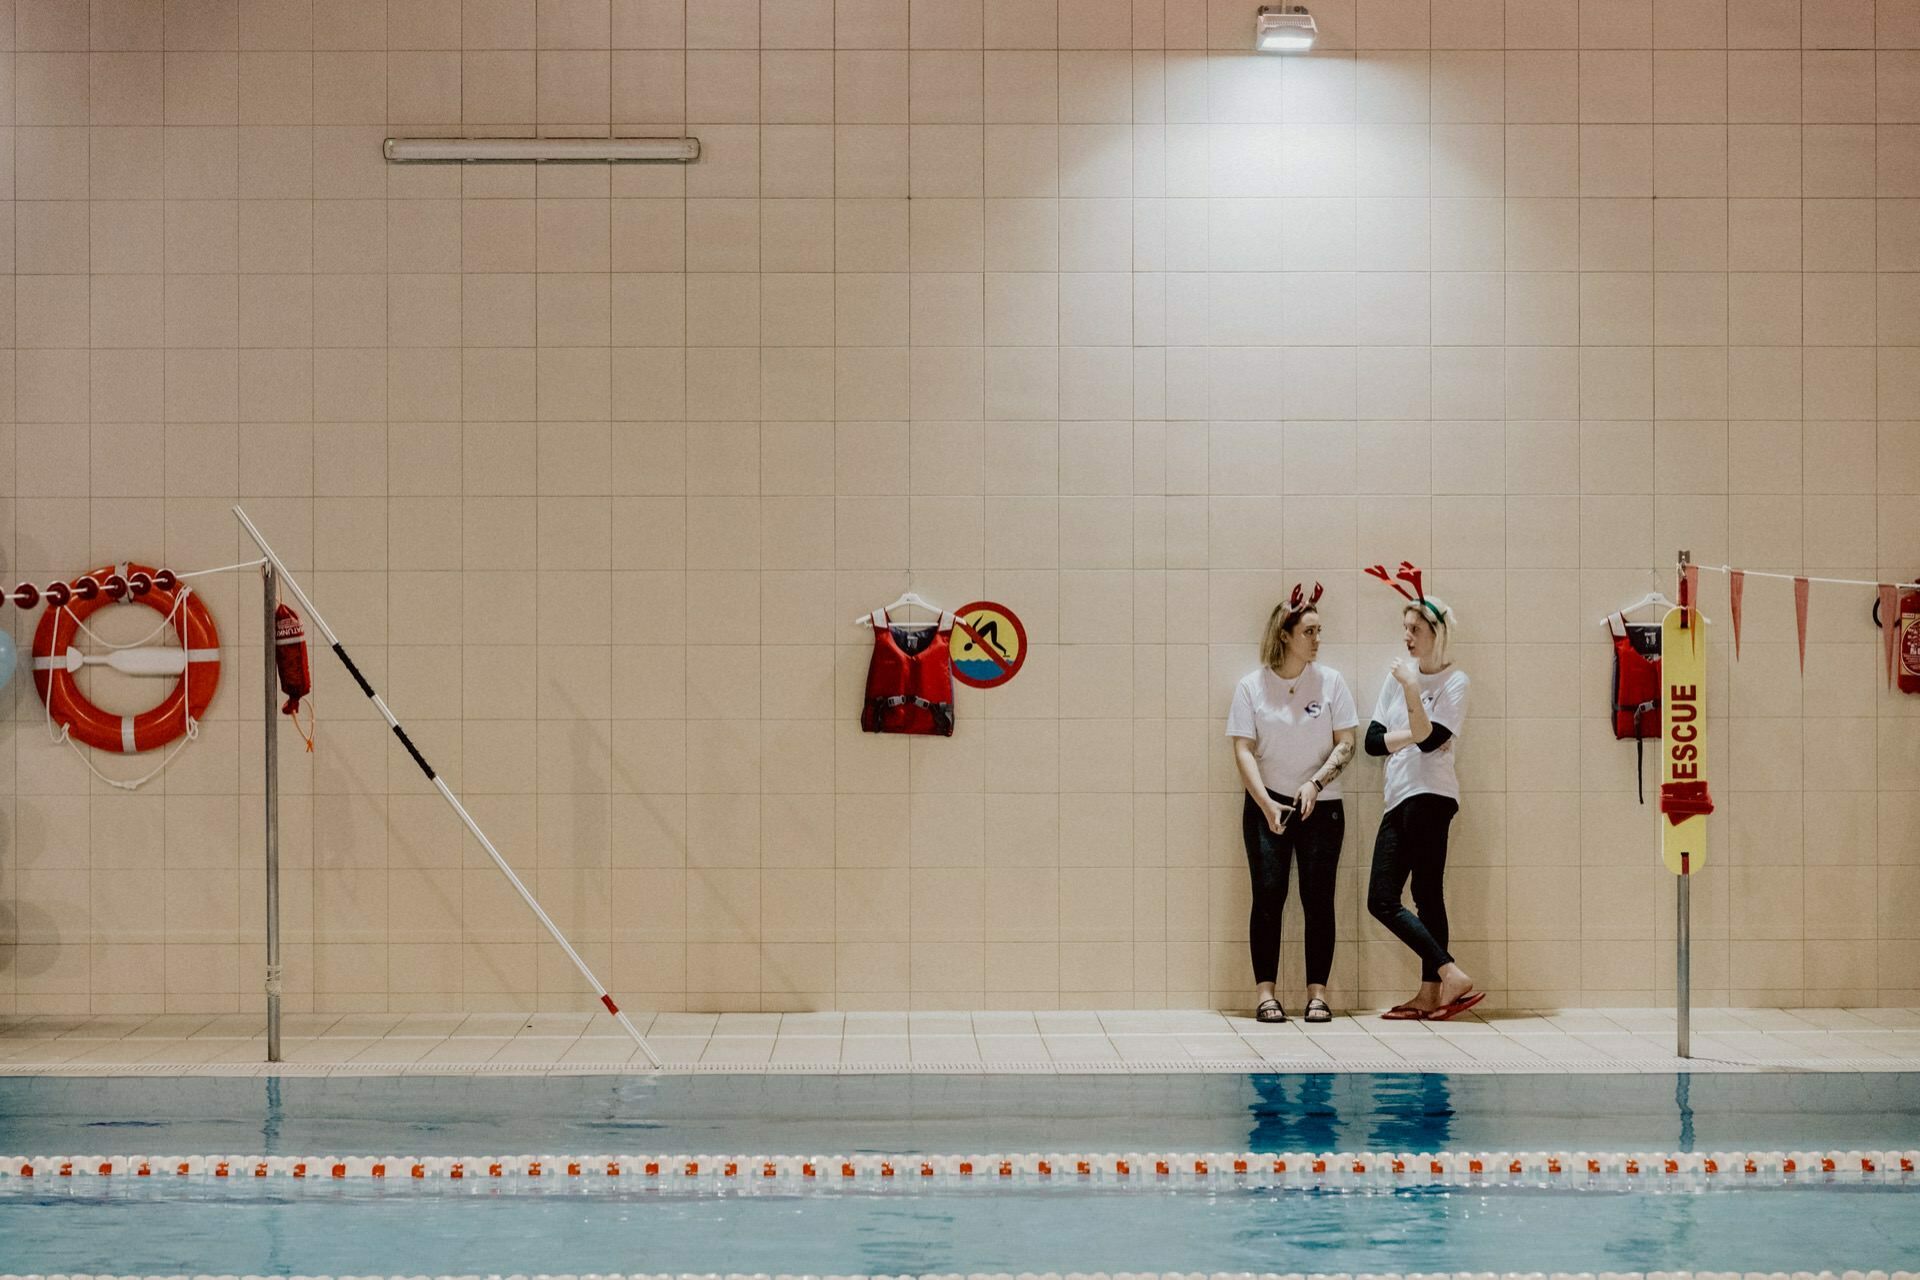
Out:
{"x": 1114, "y": 1275}
{"x": 1570, "y": 1169}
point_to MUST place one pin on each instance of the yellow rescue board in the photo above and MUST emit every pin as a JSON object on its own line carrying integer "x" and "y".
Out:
{"x": 1683, "y": 733}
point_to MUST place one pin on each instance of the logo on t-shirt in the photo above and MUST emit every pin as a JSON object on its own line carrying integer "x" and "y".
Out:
{"x": 1314, "y": 708}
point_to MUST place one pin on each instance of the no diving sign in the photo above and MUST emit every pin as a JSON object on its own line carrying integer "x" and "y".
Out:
{"x": 989, "y": 644}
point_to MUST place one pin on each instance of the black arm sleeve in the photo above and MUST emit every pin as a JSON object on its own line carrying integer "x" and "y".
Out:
{"x": 1437, "y": 737}
{"x": 1376, "y": 739}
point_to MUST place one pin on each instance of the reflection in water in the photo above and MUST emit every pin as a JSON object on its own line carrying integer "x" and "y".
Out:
{"x": 1414, "y": 1113}
{"x": 1350, "y": 1113}
{"x": 280, "y": 1255}
{"x": 1683, "y": 1103}
{"x": 273, "y": 1116}
{"x": 1295, "y": 1113}
{"x": 953, "y": 1114}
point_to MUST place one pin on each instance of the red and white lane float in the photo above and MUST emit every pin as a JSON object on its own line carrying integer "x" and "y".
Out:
{"x": 1279, "y": 1170}
{"x": 58, "y": 660}
{"x": 1105, "y": 1275}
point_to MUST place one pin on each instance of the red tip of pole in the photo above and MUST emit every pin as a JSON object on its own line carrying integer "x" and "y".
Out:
{"x": 611, "y": 1006}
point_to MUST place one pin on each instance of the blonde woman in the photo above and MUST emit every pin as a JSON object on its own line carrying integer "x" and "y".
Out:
{"x": 1416, "y": 725}
{"x": 1292, "y": 724}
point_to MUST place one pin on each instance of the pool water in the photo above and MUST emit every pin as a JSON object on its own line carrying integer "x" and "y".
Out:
{"x": 341, "y": 1230}
{"x": 358, "y": 1226}
{"x": 458, "y": 1115}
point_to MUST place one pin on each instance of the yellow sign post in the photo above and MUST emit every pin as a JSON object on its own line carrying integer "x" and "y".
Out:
{"x": 1684, "y": 801}
{"x": 1683, "y": 736}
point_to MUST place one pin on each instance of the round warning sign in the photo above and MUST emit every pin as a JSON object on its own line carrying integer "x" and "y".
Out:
{"x": 989, "y": 644}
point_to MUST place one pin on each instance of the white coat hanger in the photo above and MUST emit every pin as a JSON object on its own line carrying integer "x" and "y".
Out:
{"x": 905, "y": 599}
{"x": 1653, "y": 598}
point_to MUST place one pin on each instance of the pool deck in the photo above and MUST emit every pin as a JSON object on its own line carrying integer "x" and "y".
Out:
{"x": 1050, "y": 1043}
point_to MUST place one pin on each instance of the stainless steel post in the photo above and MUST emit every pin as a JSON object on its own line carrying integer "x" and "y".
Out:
{"x": 270, "y": 596}
{"x": 1683, "y": 966}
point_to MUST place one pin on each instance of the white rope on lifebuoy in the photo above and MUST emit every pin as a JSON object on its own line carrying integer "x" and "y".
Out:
{"x": 61, "y": 596}
{"x": 1571, "y": 1170}
{"x": 192, "y": 731}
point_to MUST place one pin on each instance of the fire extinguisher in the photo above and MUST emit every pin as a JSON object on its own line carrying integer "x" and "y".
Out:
{"x": 1907, "y": 639}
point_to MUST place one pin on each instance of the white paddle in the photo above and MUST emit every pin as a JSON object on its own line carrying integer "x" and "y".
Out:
{"x": 152, "y": 660}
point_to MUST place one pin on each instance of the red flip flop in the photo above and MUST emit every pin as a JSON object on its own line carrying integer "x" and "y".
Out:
{"x": 1448, "y": 1012}
{"x": 1403, "y": 1013}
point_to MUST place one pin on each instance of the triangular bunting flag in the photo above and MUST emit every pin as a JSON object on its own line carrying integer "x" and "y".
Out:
{"x": 1736, "y": 589}
{"x": 1691, "y": 598}
{"x": 1800, "y": 589}
{"x": 1890, "y": 625}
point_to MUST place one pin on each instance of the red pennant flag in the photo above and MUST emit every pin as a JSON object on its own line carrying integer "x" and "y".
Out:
{"x": 1691, "y": 598}
{"x": 1800, "y": 589}
{"x": 1736, "y": 589}
{"x": 1890, "y": 625}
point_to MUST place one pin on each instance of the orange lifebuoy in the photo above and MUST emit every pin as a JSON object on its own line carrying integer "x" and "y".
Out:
{"x": 53, "y": 674}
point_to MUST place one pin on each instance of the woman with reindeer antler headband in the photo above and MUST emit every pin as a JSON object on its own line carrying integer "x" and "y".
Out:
{"x": 1415, "y": 726}
{"x": 1292, "y": 724}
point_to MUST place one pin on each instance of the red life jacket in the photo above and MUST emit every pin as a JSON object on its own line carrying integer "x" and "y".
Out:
{"x": 1636, "y": 687}
{"x": 910, "y": 678}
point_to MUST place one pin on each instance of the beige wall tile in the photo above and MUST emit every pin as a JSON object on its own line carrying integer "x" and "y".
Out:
{"x": 1567, "y": 291}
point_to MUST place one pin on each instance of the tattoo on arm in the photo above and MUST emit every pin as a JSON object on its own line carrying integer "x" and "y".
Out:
{"x": 1336, "y": 762}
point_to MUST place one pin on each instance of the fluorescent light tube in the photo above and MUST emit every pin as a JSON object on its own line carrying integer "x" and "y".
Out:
{"x": 1278, "y": 29}
{"x": 542, "y": 150}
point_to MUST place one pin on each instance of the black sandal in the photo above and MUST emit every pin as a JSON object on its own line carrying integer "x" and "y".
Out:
{"x": 1269, "y": 1011}
{"x": 1318, "y": 1011}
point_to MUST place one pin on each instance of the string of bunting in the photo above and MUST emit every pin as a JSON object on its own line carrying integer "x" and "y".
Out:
{"x": 88, "y": 587}
{"x": 1889, "y": 593}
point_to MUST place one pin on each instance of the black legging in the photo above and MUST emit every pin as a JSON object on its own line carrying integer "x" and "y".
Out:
{"x": 1316, "y": 841}
{"x": 1413, "y": 842}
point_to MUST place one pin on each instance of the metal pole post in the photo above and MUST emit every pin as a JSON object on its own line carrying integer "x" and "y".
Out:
{"x": 1683, "y": 965}
{"x": 270, "y": 596}
{"x": 1683, "y": 905}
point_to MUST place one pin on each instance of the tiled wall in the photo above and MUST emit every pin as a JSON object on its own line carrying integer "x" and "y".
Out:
{"x": 1078, "y": 305}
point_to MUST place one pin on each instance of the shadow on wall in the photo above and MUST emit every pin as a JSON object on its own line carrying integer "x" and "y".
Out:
{"x": 23, "y": 920}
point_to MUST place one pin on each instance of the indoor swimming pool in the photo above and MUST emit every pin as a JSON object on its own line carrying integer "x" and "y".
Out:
{"x": 326, "y": 1220}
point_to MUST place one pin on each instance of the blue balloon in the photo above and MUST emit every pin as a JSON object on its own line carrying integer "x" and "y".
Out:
{"x": 7, "y": 657}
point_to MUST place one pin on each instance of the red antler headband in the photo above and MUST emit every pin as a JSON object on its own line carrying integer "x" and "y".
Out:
{"x": 1301, "y": 600}
{"x": 1410, "y": 574}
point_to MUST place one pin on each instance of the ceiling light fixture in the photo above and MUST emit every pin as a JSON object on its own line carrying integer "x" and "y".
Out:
{"x": 1283, "y": 29}
{"x": 542, "y": 150}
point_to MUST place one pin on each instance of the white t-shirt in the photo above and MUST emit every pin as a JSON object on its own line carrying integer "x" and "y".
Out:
{"x": 1291, "y": 723}
{"x": 1411, "y": 771}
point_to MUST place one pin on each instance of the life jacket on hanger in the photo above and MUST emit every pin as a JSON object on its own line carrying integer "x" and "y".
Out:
{"x": 1636, "y": 688}
{"x": 910, "y": 678}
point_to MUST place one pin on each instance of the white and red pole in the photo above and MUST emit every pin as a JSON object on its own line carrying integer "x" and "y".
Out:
{"x": 446, "y": 792}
